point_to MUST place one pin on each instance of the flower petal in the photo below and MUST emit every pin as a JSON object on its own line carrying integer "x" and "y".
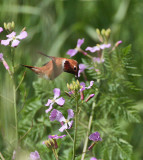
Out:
{"x": 5, "y": 42}
{"x": 103, "y": 46}
{"x": 80, "y": 42}
{"x": 91, "y": 84}
{"x": 93, "y": 49}
{"x": 1, "y": 29}
{"x": 5, "y": 64}
{"x": 60, "y": 101}
{"x": 82, "y": 84}
{"x": 49, "y": 109}
{"x": 57, "y": 115}
{"x": 95, "y": 137}
{"x": 65, "y": 126}
{"x": 70, "y": 124}
{"x": 70, "y": 114}
{"x": 56, "y": 93}
{"x": 93, "y": 158}
{"x": 11, "y": 35}
{"x": 49, "y": 102}
{"x": 98, "y": 60}
{"x": 22, "y": 35}
{"x": 72, "y": 52}
{"x": 82, "y": 67}
{"x": 1, "y": 56}
{"x": 15, "y": 43}
{"x": 56, "y": 136}
{"x": 34, "y": 156}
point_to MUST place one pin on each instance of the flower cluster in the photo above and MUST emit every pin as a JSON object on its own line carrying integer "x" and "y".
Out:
{"x": 103, "y": 36}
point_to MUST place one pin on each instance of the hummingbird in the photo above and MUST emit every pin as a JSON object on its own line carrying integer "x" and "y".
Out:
{"x": 55, "y": 67}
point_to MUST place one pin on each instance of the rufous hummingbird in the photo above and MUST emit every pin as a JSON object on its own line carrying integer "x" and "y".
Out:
{"x": 55, "y": 67}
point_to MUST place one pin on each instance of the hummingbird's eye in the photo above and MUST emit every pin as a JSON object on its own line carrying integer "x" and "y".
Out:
{"x": 74, "y": 68}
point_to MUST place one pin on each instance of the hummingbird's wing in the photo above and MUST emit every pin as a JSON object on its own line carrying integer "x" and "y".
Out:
{"x": 51, "y": 57}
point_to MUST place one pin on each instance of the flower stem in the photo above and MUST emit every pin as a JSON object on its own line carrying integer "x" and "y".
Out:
{"x": 87, "y": 133}
{"x": 15, "y": 112}
{"x": 1, "y": 156}
{"x": 55, "y": 154}
{"x": 14, "y": 96}
{"x": 75, "y": 132}
{"x": 69, "y": 135}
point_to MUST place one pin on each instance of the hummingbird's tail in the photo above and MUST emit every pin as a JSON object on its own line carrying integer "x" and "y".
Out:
{"x": 35, "y": 69}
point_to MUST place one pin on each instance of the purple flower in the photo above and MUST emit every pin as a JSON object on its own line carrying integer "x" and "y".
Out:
{"x": 14, "y": 39}
{"x": 60, "y": 101}
{"x": 98, "y": 60}
{"x": 73, "y": 52}
{"x": 34, "y": 156}
{"x": 57, "y": 115}
{"x": 56, "y": 136}
{"x": 93, "y": 158}
{"x": 1, "y": 29}
{"x": 4, "y": 62}
{"x": 82, "y": 84}
{"x": 95, "y": 137}
{"x": 82, "y": 67}
{"x": 98, "y": 47}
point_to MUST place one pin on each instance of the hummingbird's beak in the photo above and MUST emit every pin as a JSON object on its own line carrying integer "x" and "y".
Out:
{"x": 76, "y": 75}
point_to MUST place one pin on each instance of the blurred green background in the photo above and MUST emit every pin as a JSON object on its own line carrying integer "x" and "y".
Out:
{"x": 54, "y": 26}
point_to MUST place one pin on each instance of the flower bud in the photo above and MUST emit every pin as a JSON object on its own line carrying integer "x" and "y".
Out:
{"x": 5, "y": 26}
{"x": 73, "y": 82}
{"x": 98, "y": 31}
{"x": 12, "y": 24}
{"x": 99, "y": 35}
{"x": 103, "y": 32}
{"x": 68, "y": 86}
{"x": 24, "y": 29}
{"x": 82, "y": 95}
{"x": 67, "y": 94}
{"x": 71, "y": 87}
{"x": 51, "y": 143}
{"x": 117, "y": 43}
{"x": 9, "y": 26}
{"x": 77, "y": 82}
{"x": 107, "y": 33}
{"x": 90, "y": 96}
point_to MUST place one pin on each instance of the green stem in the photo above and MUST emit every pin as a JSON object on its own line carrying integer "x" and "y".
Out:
{"x": 69, "y": 135}
{"x": 87, "y": 133}
{"x": 1, "y": 156}
{"x": 55, "y": 154}
{"x": 14, "y": 97}
{"x": 75, "y": 132}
